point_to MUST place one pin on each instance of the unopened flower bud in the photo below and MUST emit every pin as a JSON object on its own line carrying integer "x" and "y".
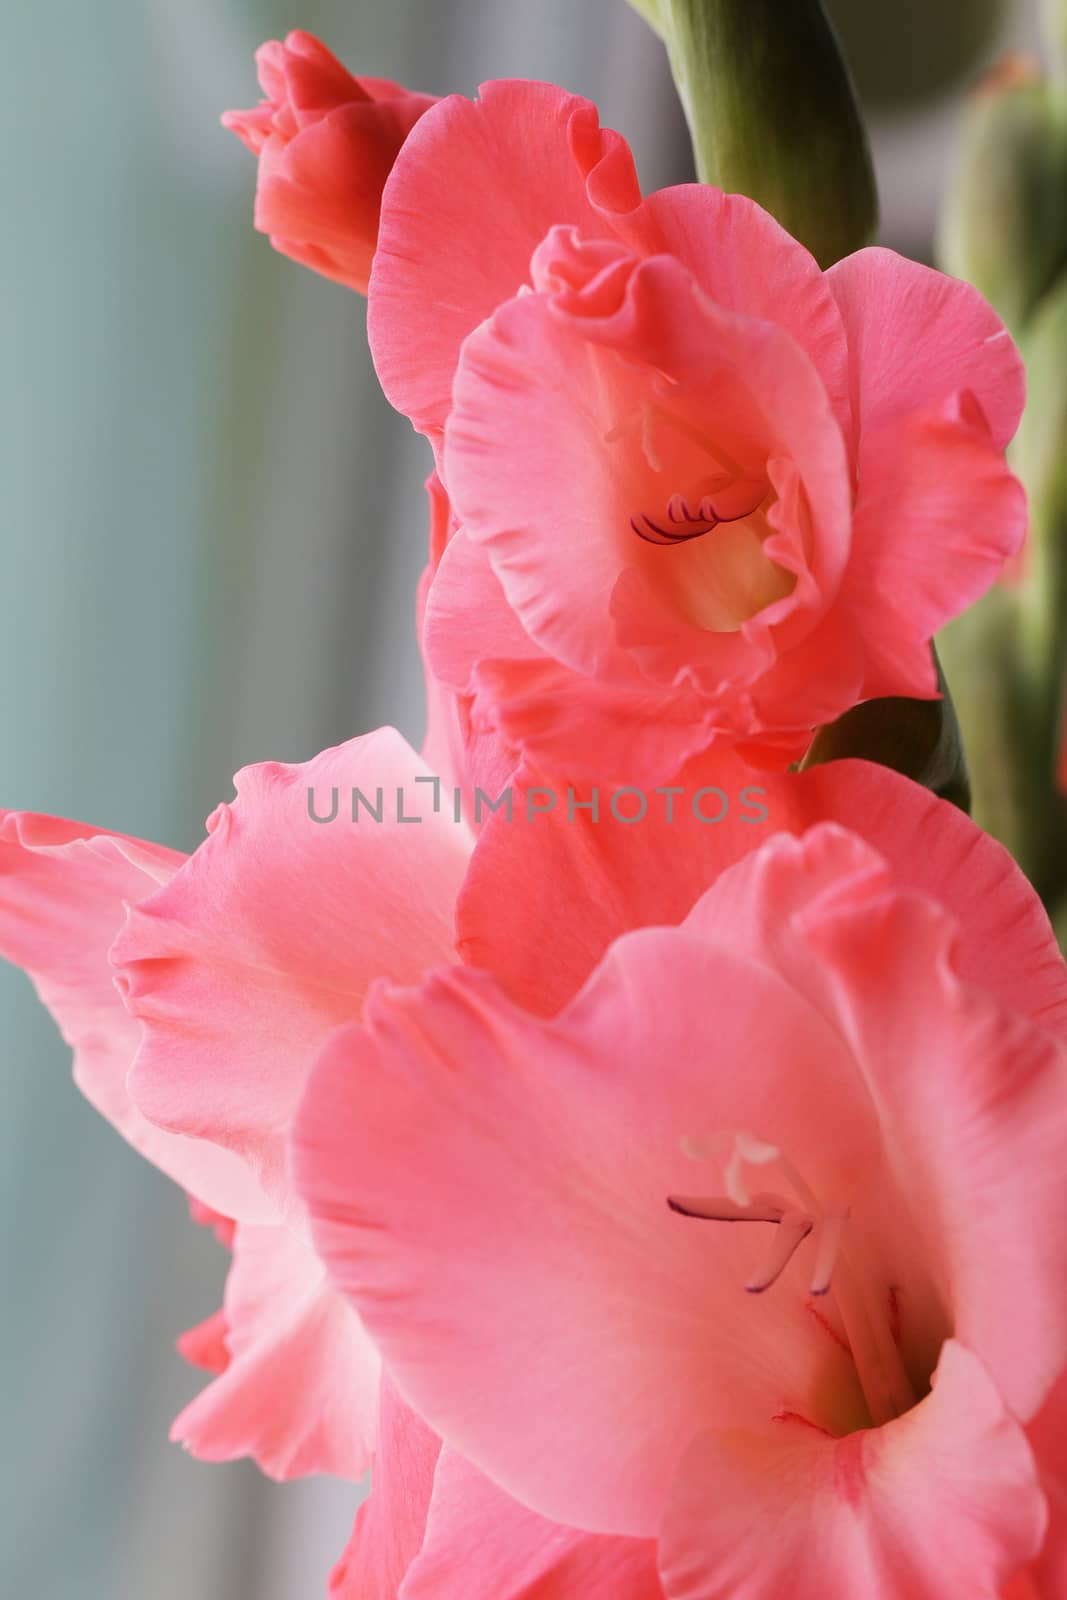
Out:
{"x": 326, "y": 143}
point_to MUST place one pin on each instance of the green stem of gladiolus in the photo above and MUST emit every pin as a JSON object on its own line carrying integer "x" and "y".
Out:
{"x": 773, "y": 115}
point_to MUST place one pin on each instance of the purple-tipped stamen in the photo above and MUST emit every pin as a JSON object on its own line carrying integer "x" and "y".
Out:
{"x": 688, "y": 524}
{"x": 789, "y": 1235}
{"x": 793, "y": 1227}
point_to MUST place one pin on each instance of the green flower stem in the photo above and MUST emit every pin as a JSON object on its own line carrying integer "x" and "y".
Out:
{"x": 772, "y": 113}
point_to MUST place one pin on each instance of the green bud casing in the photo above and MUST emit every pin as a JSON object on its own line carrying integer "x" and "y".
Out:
{"x": 920, "y": 738}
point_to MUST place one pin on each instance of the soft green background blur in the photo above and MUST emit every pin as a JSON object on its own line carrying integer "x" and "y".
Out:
{"x": 212, "y": 527}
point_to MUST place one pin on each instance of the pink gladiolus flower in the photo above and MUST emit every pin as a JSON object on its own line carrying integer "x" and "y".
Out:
{"x": 326, "y": 142}
{"x": 704, "y": 492}
{"x": 239, "y": 962}
{"x": 751, "y": 1249}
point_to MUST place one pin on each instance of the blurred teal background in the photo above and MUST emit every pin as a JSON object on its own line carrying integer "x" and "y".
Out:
{"x": 212, "y": 528}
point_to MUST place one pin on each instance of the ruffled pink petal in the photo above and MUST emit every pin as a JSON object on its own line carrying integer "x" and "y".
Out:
{"x": 938, "y": 516}
{"x": 205, "y": 1345}
{"x": 477, "y": 186}
{"x": 506, "y": 692}
{"x": 571, "y": 379}
{"x": 466, "y": 752}
{"x": 745, "y": 261}
{"x": 943, "y": 1501}
{"x": 970, "y": 1098}
{"x": 595, "y": 731}
{"x": 298, "y": 1392}
{"x": 391, "y": 1522}
{"x": 476, "y": 762}
{"x": 804, "y": 688}
{"x": 1047, "y": 1435}
{"x": 548, "y": 892}
{"x": 571, "y": 1289}
{"x": 468, "y": 619}
{"x": 508, "y": 1553}
{"x": 267, "y": 938}
{"x": 543, "y": 900}
{"x": 64, "y": 888}
{"x": 917, "y": 337}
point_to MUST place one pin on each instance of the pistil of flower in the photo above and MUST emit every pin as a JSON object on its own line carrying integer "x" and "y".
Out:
{"x": 886, "y": 1386}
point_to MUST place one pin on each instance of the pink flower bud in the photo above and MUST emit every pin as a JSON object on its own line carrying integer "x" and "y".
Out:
{"x": 326, "y": 143}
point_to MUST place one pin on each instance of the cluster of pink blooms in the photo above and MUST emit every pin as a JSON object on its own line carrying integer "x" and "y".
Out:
{"x": 480, "y": 1114}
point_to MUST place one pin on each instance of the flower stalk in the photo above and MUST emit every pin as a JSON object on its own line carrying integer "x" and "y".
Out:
{"x": 773, "y": 114}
